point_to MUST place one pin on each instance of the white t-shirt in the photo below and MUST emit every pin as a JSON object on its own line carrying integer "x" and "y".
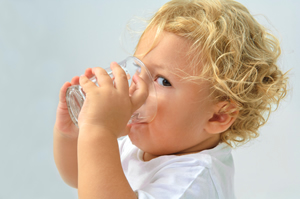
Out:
{"x": 205, "y": 175}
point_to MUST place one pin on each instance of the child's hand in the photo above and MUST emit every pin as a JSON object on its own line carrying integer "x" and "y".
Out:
{"x": 63, "y": 122}
{"x": 109, "y": 106}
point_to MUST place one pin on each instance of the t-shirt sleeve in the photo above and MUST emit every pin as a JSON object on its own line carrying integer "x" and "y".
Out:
{"x": 183, "y": 182}
{"x": 121, "y": 143}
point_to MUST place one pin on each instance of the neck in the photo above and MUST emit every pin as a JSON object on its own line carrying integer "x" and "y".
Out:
{"x": 209, "y": 143}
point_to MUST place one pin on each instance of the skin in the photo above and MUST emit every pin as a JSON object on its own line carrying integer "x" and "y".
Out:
{"x": 184, "y": 108}
{"x": 187, "y": 120}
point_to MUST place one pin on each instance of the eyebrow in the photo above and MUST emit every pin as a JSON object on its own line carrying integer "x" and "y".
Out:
{"x": 158, "y": 66}
{"x": 161, "y": 66}
{"x": 171, "y": 72}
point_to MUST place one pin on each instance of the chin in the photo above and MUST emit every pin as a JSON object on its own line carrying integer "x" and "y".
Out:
{"x": 138, "y": 128}
{"x": 141, "y": 137}
{"x": 137, "y": 132}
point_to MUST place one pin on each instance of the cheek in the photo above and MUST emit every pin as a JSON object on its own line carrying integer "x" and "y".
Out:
{"x": 179, "y": 111}
{"x": 171, "y": 113}
{"x": 166, "y": 107}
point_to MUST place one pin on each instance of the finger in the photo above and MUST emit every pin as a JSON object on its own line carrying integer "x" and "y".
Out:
{"x": 140, "y": 95}
{"x": 103, "y": 78}
{"x": 86, "y": 84}
{"x": 75, "y": 80}
{"x": 89, "y": 73}
{"x": 121, "y": 79}
{"x": 62, "y": 92}
{"x": 132, "y": 88}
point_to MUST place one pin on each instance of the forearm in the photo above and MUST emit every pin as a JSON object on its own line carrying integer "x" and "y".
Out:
{"x": 65, "y": 156}
{"x": 100, "y": 173}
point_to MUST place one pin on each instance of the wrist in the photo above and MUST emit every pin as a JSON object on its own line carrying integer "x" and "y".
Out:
{"x": 95, "y": 131}
{"x": 68, "y": 135}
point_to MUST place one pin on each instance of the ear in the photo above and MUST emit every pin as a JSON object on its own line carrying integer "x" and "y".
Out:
{"x": 224, "y": 115}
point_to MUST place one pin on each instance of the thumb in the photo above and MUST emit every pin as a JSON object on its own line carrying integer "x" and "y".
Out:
{"x": 62, "y": 92}
{"x": 140, "y": 94}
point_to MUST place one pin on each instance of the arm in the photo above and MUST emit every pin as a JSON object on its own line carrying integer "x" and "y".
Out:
{"x": 65, "y": 156}
{"x": 100, "y": 174}
{"x": 65, "y": 136}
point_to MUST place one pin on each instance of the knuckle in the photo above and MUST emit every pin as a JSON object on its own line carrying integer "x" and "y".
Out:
{"x": 84, "y": 80}
{"x": 99, "y": 71}
{"x": 122, "y": 76}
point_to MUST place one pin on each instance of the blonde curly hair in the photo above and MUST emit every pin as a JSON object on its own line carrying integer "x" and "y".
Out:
{"x": 236, "y": 54}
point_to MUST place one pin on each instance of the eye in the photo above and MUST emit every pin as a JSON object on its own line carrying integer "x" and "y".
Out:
{"x": 163, "y": 81}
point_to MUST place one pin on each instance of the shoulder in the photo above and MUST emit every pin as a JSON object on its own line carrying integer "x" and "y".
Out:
{"x": 221, "y": 168}
{"x": 208, "y": 174}
{"x": 180, "y": 182}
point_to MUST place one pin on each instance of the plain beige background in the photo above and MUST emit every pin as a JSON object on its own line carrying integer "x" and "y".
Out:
{"x": 45, "y": 43}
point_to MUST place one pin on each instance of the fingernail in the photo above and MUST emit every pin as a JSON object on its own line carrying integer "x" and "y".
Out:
{"x": 114, "y": 63}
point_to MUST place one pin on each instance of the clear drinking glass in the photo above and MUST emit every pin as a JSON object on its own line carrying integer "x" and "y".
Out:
{"x": 75, "y": 95}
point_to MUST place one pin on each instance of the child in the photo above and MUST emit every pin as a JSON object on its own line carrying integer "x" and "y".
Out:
{"x": 216, "y": 77}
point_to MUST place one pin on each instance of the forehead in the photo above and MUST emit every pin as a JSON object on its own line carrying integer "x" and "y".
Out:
{"x": 168, "y": 51}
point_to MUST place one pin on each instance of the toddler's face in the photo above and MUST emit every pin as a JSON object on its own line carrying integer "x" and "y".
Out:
{"x": 184, "y": 107}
